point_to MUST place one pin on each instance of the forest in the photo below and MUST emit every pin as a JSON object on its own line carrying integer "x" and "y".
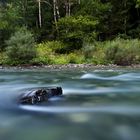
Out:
{"x": 40, "y": 32}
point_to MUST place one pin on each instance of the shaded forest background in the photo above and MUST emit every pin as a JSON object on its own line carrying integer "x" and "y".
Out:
{"x": 66, "y": 26}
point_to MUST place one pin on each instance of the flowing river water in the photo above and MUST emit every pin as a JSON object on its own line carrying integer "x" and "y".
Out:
{"x": 96, "y": 105}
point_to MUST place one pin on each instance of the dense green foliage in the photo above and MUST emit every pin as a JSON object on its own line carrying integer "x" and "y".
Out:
{"x": 20, "y": 47}
{"x": 123, "y": 52}
{"x": 118, "y": 51}
{"x": 74, "y": 31}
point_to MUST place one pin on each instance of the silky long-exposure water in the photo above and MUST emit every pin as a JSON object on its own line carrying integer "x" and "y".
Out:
{"x": 96, "y": 105}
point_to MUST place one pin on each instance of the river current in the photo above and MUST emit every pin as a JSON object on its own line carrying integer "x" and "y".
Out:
{"x": 97, "y": 104}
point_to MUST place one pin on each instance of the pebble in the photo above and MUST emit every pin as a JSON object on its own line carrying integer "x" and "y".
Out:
{"x": 66, "y": 66}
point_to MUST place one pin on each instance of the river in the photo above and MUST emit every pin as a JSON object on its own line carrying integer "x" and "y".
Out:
{"x": 97, "y": 104}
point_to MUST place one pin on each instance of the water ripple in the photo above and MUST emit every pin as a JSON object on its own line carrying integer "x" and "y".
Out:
{"x": 111, "y": 109}
{"x": 121, "y": 77}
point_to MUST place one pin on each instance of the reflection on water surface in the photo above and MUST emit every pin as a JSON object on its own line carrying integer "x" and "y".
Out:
{"x": 96, "y": 105}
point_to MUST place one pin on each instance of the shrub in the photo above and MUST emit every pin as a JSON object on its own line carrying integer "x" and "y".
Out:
{"x": 76, "y": 58}
{"x": 55, "y": 46}
{"x": 94, "y": 53}
{"x": 43, "y": 53}
{"x": 3, "y": 58}
{"x": 88, "y": 50}
{"x": 42, "y": 49}
{"x": 123, "y": 52}
{"x": 59, "y": 59}
{"x": 40, "y": 60}
{"x": 46, "y": 53}
{"x": 20, "y": 47}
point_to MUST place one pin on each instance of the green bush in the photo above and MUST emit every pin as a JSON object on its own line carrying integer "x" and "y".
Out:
{"x": 76, "y": 58}
{"x": 3, "y": 58}
{"x": 88, "y": 50}
{"x": 46, "y": 53}
{"x": 94, "y": 53}
{"x": 40, "y": 61}
{"x": 55, "y": 46}
{"x": 59, "y": 59}
{"x": 43, "y": 53}
{"x": 20, "y": 47}
{"x": 43, "y": 49}
{"x": 123, "y": 52}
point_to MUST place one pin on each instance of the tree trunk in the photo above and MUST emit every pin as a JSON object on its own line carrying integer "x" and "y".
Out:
{"x": 79, "y": 1}
{"x": 125, "y": 18}
{"x": 69, "y": 5}
{"x": 66, "y": 8}
{"x": 54, "y": 11}
{"x": 57, "y": 10}
{"x": 39, "y": 13}
{"x": 25, "y": 11}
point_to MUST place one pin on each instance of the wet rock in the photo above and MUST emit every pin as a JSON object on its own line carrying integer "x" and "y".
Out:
{"x": 40, "y": 95}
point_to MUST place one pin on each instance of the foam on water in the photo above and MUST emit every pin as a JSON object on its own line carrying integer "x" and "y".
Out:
{"x": 121, "y": 77}
{"x": 115, "y": 109}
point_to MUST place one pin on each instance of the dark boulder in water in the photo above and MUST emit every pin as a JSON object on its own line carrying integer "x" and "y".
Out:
{"x": 39, "y": 95}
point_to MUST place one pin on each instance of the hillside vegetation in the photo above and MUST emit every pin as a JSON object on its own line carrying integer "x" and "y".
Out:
{"x": 69, "y": 31}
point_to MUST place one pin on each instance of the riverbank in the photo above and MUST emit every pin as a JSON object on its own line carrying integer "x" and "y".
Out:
{"x": 68, "y": 66}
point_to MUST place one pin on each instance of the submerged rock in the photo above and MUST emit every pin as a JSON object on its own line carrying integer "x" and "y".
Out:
{"x": 40, "y": 95}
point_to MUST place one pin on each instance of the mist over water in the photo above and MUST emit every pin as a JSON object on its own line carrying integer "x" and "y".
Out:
{"x": 96, "y": 105}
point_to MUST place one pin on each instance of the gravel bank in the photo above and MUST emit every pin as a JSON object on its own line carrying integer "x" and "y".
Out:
{"x": 68, "y": 66}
